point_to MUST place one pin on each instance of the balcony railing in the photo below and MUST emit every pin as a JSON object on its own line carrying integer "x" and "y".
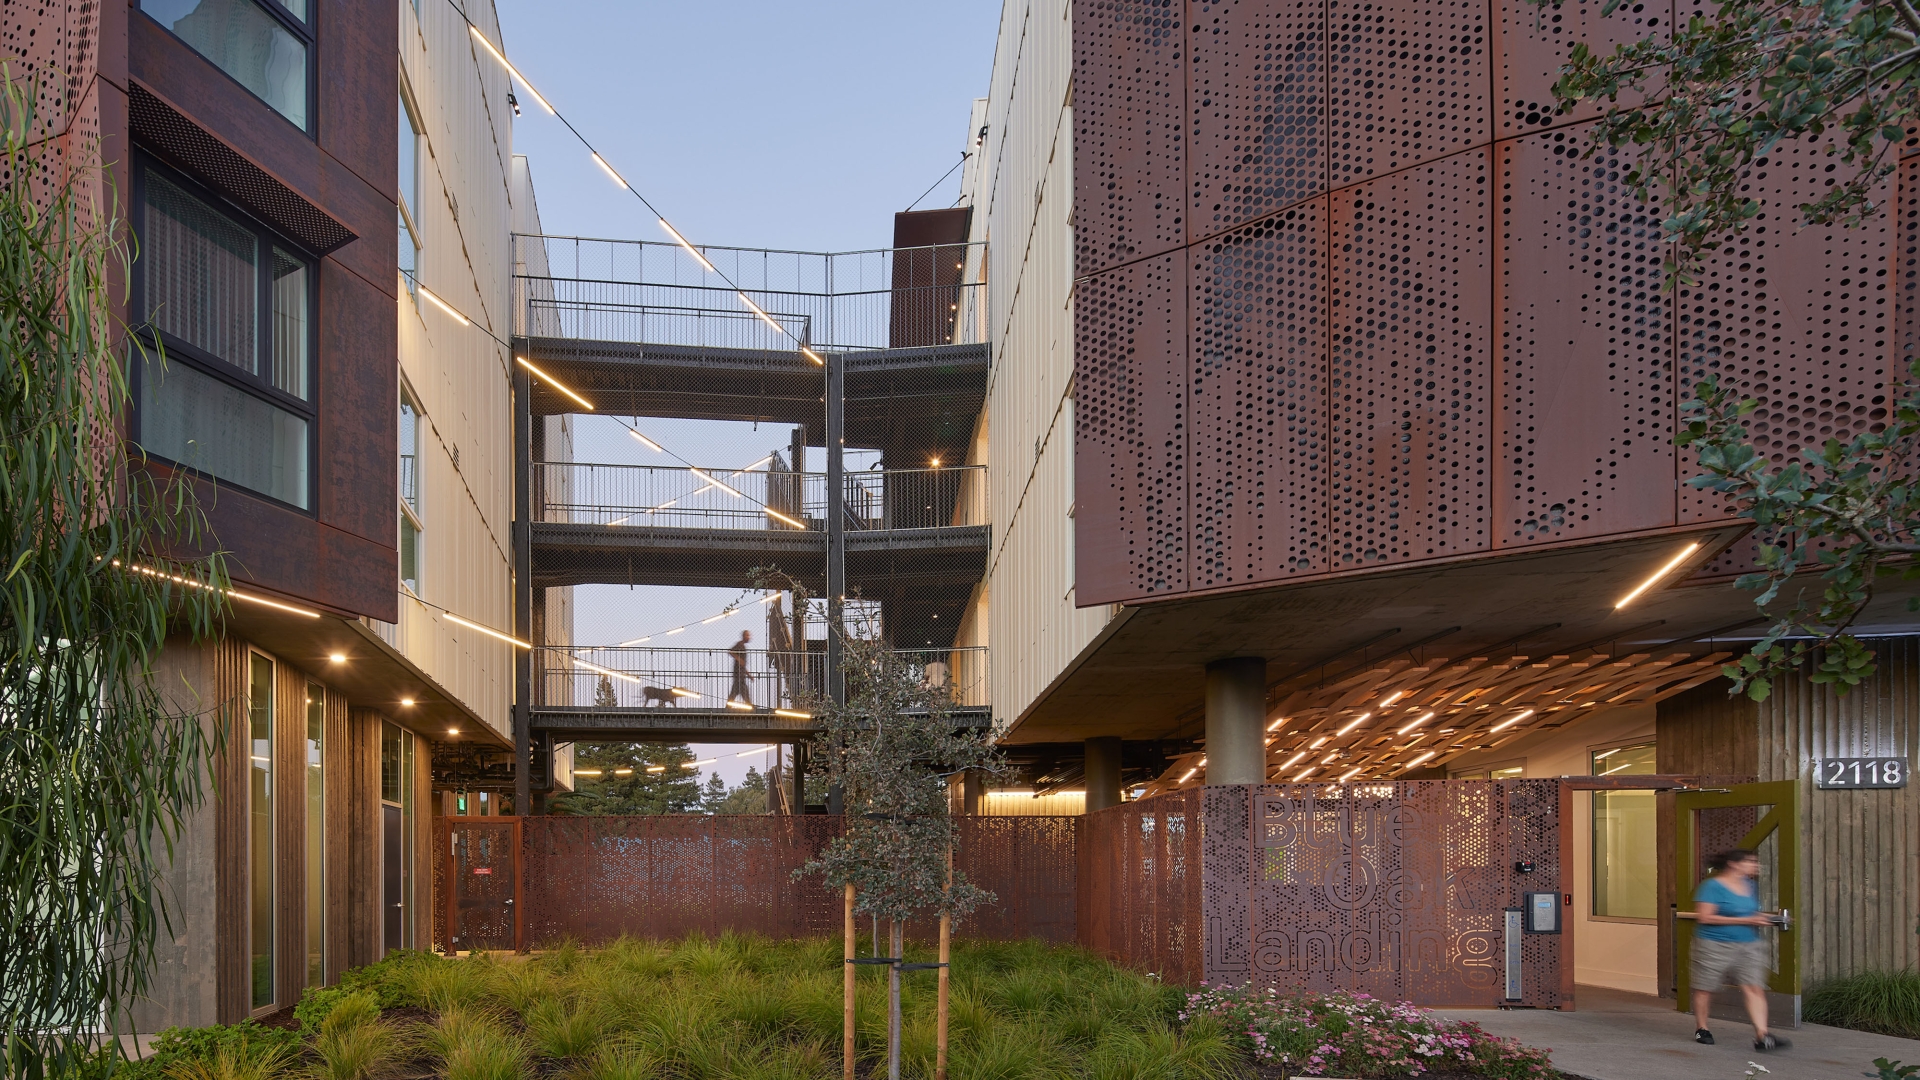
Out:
{"x": 638, "y": 496}
{"x": 644, "y": 677}
{"x": 658, "y": 294}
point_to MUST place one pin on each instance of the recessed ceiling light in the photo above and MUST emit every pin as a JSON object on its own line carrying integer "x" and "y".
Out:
{"x": 453, "y": 731}
{"x": 338, "y": 658}
{"x": 407, "y": 701}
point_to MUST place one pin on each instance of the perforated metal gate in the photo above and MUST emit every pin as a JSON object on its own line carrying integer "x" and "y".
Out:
{"x": 476, "y": 881}
{"x": 1398, "y": 890}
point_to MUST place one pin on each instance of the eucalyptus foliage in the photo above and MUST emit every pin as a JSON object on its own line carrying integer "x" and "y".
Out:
{"x": 890, "y": 749}
{"x": 1845, "y": 514}
{"x": 96, "y": 770}
{"x": 1709, "y": 100}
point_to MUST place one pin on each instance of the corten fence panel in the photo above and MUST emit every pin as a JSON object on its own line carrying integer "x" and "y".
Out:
{"x": 1028, "y": 863}
{"x": 663, "y": 876}
{"x": 593, "y": 879}
{"x": 1139, "y": 885}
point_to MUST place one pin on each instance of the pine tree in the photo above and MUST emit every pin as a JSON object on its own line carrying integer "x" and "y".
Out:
{"x": 749, "y": 798}
{"x": 625, "y": 786}
{"x": 715, "y": 794}
{"x": 603, "y": 695}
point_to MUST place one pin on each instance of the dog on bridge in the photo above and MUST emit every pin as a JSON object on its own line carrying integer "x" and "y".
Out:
{"x": 654, "y": 695}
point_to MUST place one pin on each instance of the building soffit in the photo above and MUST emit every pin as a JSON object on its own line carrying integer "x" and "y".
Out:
{"x": 1145, "y": 679}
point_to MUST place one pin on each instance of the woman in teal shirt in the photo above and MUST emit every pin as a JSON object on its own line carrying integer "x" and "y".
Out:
{"x": 1727, "y": 946}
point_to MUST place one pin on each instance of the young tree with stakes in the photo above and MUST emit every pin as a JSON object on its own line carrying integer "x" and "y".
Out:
{"x": 891, "y": 749}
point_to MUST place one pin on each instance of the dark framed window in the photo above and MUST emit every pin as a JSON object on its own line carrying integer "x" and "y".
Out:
{"x": 264, "y": 45}
{"x": 230, "y": 307}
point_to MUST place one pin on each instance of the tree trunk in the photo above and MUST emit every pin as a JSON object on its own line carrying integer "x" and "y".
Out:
{"x": 893, "y": 1007}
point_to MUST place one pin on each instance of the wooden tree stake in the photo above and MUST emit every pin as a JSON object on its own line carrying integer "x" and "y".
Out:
{"x": 946, "y": 957}
{"x": 846, "y": 1051}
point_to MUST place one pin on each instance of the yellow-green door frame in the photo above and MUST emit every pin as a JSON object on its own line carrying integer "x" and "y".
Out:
{"x": 1781, "y": 820}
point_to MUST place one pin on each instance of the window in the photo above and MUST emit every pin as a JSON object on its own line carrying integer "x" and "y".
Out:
{"x": 260, "y": 825}
{"x": 410, "y": 526}
{"x": 409, "y": 191}
{"x": 1625, "y": 843}
{"x": 233, "y": 397}
{"x": 316, "y": 835}
{"x": 396, "y": 811}
{"x": 263, "y": 45}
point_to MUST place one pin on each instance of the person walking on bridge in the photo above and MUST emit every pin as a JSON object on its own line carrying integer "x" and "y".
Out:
{"x": 739, "y": 654}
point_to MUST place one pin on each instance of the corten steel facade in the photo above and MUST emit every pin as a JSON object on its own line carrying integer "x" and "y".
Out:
{"x": 1351, "y": 295}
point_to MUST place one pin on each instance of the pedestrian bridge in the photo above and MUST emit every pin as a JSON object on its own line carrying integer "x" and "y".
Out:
{"x": 675, "y": 694}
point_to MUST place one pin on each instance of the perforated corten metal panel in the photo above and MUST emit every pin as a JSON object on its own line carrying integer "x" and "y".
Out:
{"x": 1531, "y": 41}
{"x": 1411, "y": 359}
{"x": 1257, "y": 100}
{"x": 1323, "y": 139}
{"x": 1584, "y": 378}
{"x": 1406, "y": 83}
{"x": 1129, "y": 106}
{"x": 665, "y": 875}
{"x": 1130, "y": 431}
{"x": 1391, "y": 889}
{"x": 1140, "y": 885}
{"x": 1258, "y": 508}
{"x": 1798, "y": 317}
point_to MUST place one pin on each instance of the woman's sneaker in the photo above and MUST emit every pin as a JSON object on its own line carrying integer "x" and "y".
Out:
{"x": 1769, "y": 1042}
{"x": 1702, "y": 1035}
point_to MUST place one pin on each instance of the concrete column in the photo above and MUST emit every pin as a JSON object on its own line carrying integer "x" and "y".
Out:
{"x": 1237, "y": 721}
{"x": 1103, "y": 772}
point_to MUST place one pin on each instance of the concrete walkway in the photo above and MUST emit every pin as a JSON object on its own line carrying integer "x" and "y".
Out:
{"x": 1615, "y": 1035}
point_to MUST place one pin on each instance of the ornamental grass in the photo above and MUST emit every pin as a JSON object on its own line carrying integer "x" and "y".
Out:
{"x": 745, "y": 1008}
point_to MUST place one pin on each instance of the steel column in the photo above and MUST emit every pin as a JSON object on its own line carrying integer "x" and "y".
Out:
{"x": 1236, "y": 721}
{"x": 522, "y": 586}
{"x": 836, "y": 536}
{"x": 1102, "y": 772}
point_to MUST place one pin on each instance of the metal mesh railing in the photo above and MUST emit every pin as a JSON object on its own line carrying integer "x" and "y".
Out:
{"x": 637, "y": 676}
{"x": 657, "y": 293}
{"x": 637, "y": 496}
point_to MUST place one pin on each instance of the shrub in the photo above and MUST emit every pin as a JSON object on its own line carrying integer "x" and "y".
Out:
{"x": 178, "y": 1049}
{"x": 382, "y": 980}
{"x": 1884, "y": 1001}
{"x": 1361, "y": 1036}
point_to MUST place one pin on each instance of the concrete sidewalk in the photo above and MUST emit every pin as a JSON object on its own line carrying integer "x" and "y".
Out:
{"x": 1615, "y": 1035}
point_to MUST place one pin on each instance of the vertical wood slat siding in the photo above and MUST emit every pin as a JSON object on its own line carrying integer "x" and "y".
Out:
{"x": 289, "y": 832}
{"x": 1860, "y": 849}
{"x": 421, "y": 913}
{"x": 226, "y": 682}
{"x": 364, "y": 828}
{"x": 340, "y": 837}
{"x": 1702, "y": 732}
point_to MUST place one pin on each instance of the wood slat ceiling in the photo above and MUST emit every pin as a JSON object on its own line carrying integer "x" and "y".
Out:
{"x": 1377, "y": 723}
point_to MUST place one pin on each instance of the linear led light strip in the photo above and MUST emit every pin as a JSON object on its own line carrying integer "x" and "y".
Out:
{"x": 1672, "y": 564}
{"x": 614, "y": 174}
{"x": 735, "y": 610}
{"x": 710, "y": 485}
{"x": 234, "y": 593}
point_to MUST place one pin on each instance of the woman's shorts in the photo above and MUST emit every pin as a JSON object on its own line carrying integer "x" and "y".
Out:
{"x": 1728, "y": 963}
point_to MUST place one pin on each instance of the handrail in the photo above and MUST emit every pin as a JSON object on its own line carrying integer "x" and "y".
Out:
{"x": 638, "y": 496}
